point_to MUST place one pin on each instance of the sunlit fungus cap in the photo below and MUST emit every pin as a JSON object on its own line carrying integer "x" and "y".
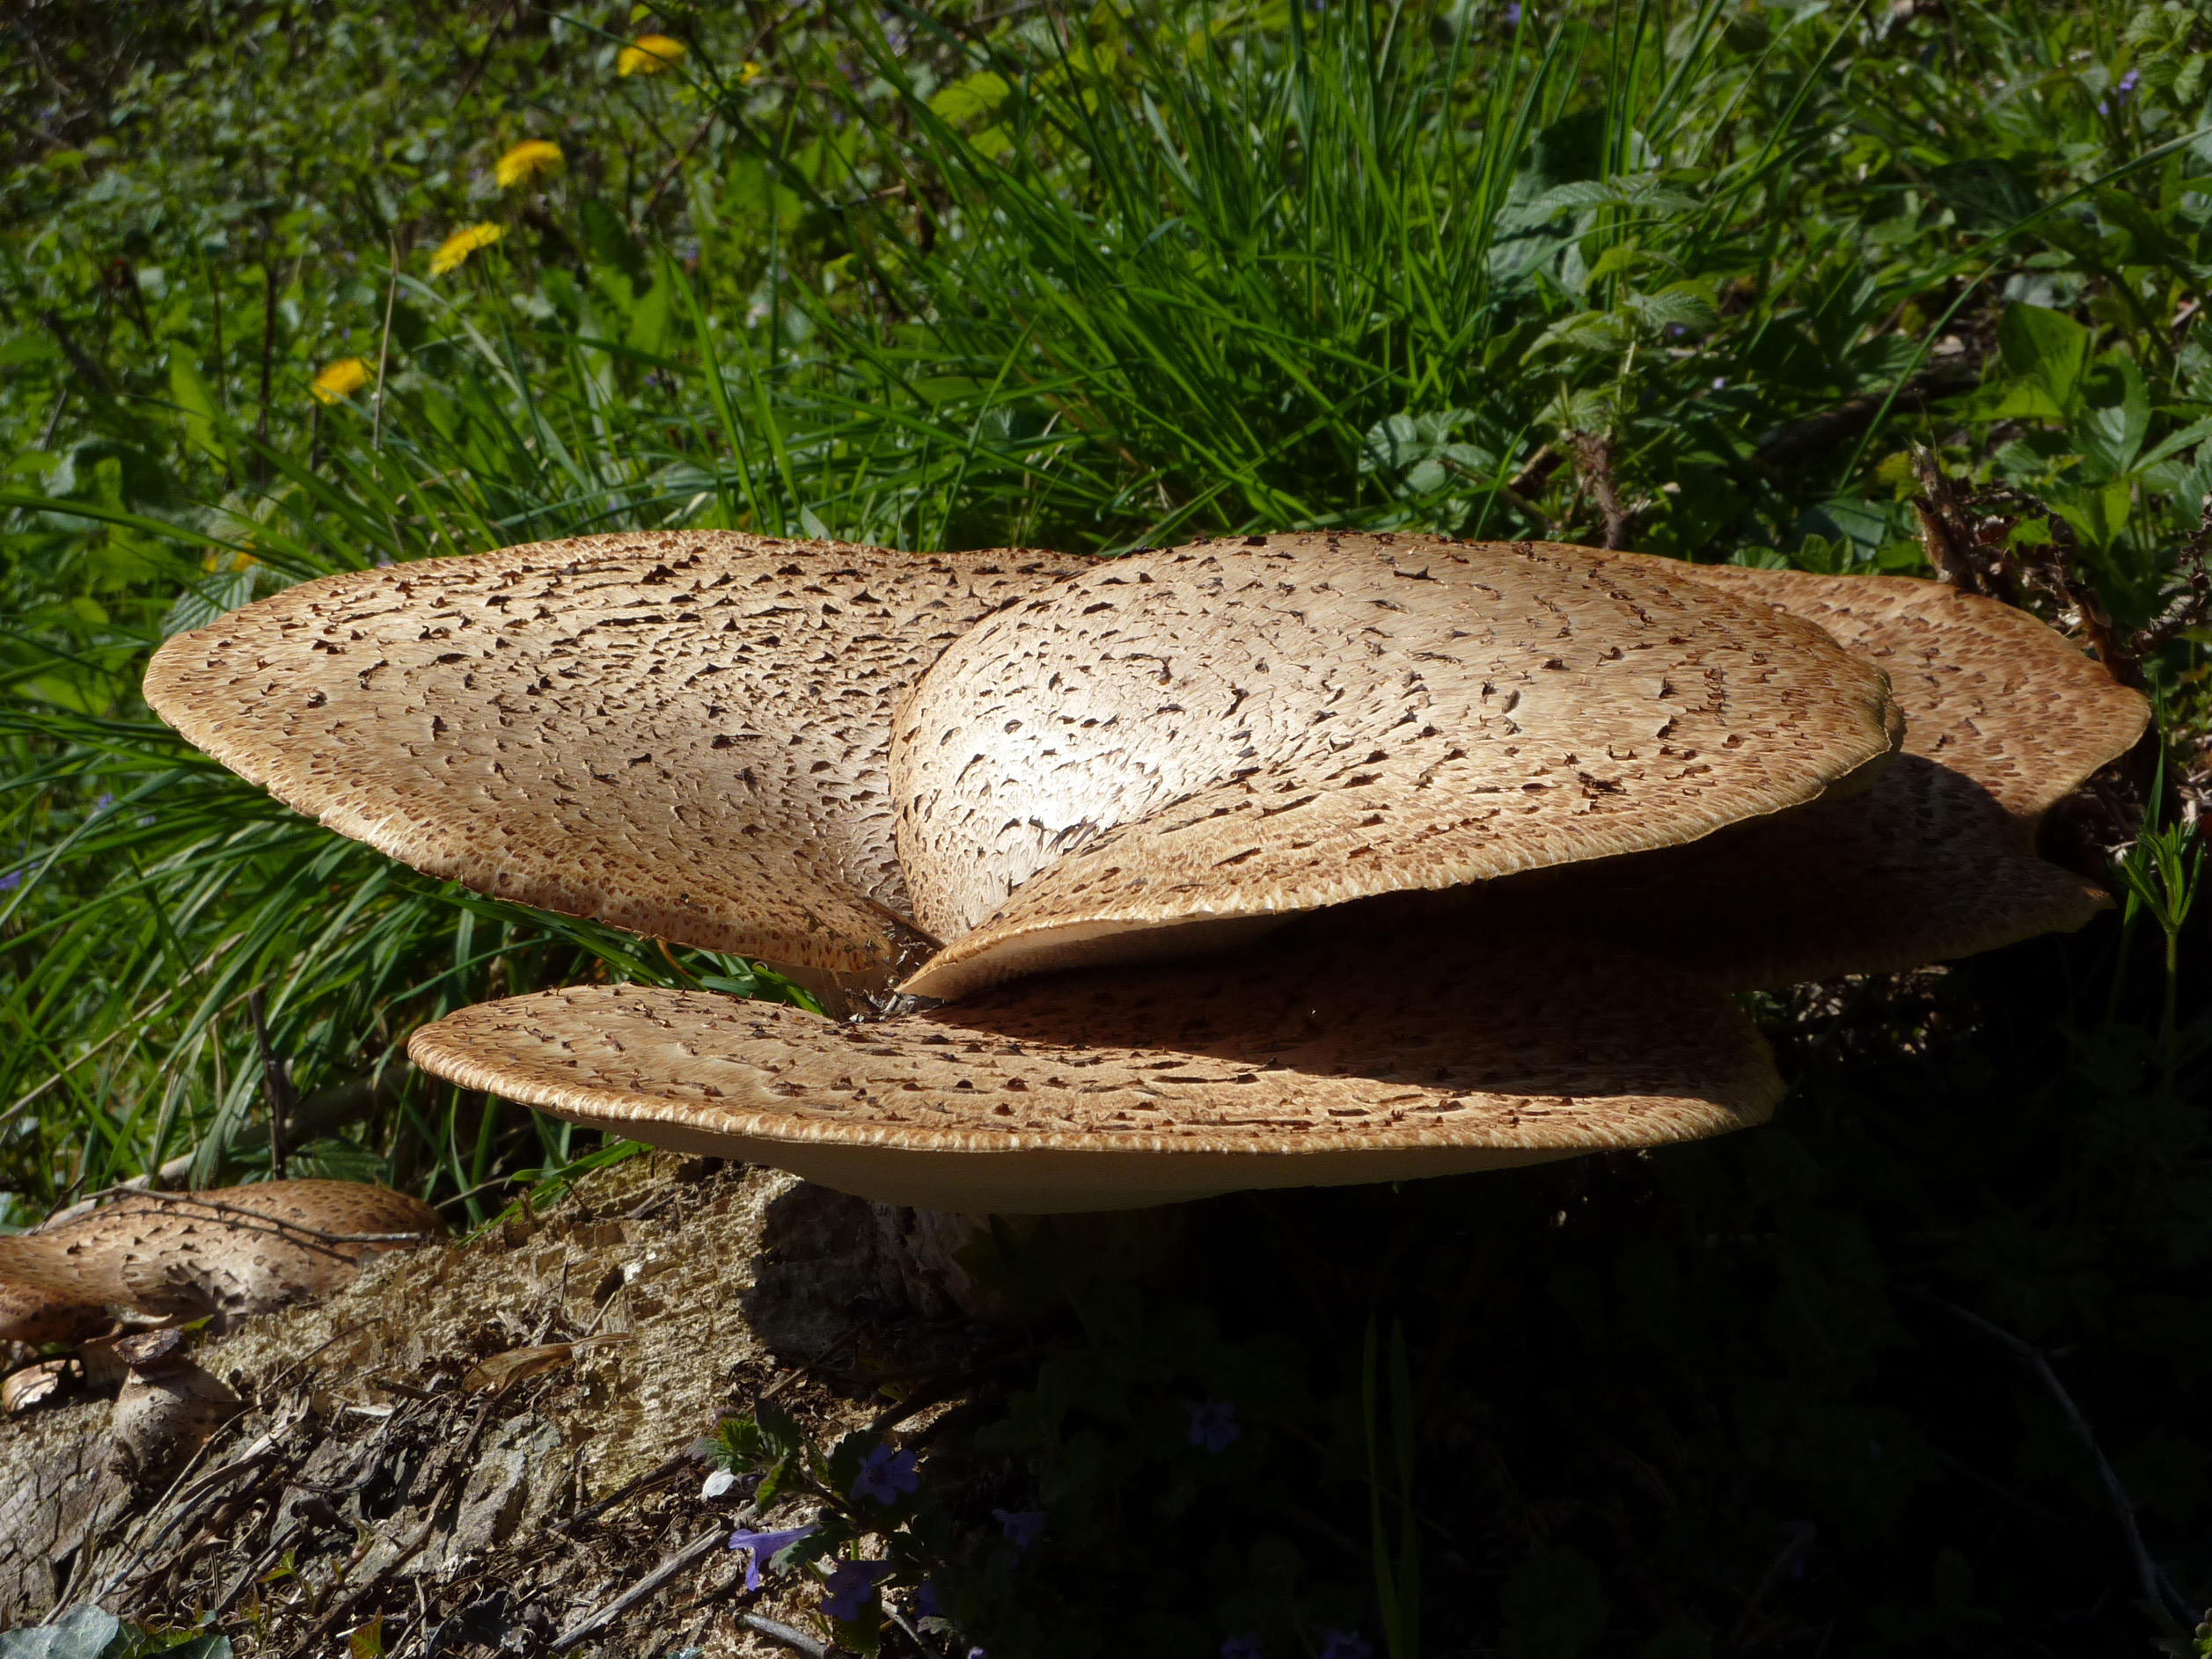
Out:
{"x": 1936, "y": 860}
{"x": 683, "y": 733}
{"x": 1237, "y": 731}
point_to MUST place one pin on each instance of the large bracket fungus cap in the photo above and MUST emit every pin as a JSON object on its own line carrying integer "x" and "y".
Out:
{"x": 1937, "y": 860}
{"x": 1323, "y": 1061}
{"x": 681, "y": 732}
{"x": 1238, "y": 730}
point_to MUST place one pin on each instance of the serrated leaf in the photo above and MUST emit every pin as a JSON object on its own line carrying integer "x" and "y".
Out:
{"x": 1675, "y": 308}
{"x": 1642, "y": 192}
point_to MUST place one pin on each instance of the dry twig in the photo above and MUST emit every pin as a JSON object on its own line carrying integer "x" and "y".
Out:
{"x": 2157, "y": 1589}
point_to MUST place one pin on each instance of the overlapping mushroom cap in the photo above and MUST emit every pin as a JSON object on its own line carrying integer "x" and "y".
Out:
{"x": 959, "y": 771}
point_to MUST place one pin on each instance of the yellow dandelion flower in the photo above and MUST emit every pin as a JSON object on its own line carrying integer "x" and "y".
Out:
{"x": 751, "y": 72}
{"x": 339, "y": 381}
{"x": 528, "y": 160}
{"x": 454, "y": 251}
{"x": 649, "y": 54}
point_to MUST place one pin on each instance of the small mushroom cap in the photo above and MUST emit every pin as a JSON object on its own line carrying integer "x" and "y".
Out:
{"x": 1236, "y": 731}
{"x": 1937, "y": 860}
{"x": 166, "y": 1410}
{"x": 682, "y": 734}
{"x": 235, "y": 1250}
{"x": 1319, "y": 1062}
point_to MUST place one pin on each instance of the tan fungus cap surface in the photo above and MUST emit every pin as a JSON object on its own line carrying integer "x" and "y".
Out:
{"x": 1937, "y": 860}
{"x": 1986, "y": 689}
{"x": 1245, "y": 728}
{"x": 165, "y": 1255}
{"x": 29, "y": 1313}
{"x": 1319, "y": 1062}
{"x": 682, "y": 734}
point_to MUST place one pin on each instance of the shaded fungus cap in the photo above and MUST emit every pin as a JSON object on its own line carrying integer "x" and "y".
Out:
{"x": 232, "y": 1250}
{"x": 1241, "y": 730}
{"x": 1319, "y": 1061}
{"x": 1937, "y": 860}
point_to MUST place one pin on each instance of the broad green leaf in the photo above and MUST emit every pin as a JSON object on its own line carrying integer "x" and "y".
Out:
{"x": 202, "y": 413}
{"x": 1987, "y": 195}
{"x": 2046, "y": 347}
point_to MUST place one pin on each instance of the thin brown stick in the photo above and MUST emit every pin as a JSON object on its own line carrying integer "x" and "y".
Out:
{"x": 689, "y": 1556}
{"x": 667, "y": 178}
{"x": 2157, "y": 1589}
{"x": 1594, "y": 454}
{"x": 276, "y": 1083}
{"x": 240, "y": 1216}
{"x": 777, "y": 1631}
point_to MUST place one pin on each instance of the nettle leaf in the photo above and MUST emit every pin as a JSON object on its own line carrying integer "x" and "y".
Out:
{"x": 1675, "y": 308}
{"x": 976, "y": 95}
{"x": 738, "y": 1444}
{"x": 1418, "y": 450}
{"x": 1642, "y": 192}
{"x": 780, "y": 1431}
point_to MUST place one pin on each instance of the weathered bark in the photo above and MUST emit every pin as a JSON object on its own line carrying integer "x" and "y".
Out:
{"x": 397, "y": 1490}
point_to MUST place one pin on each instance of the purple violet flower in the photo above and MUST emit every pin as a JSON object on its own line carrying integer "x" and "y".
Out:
{"x": 1212, "y": 1423}
{"x": 1512, "y": 16}
{"x": 1023, "y": 1526}
{"x": 852, "y": 1589}
{"x": 1338, "y": 1644}
{"x": 104, "y": 802}
{"x": 763, "y": 1545}
{"x": 10, "y": 881}
{"x": 885, "y": 1473}
{"x": 2127, "y": 84}
{"x": 1241, "y": 1648}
